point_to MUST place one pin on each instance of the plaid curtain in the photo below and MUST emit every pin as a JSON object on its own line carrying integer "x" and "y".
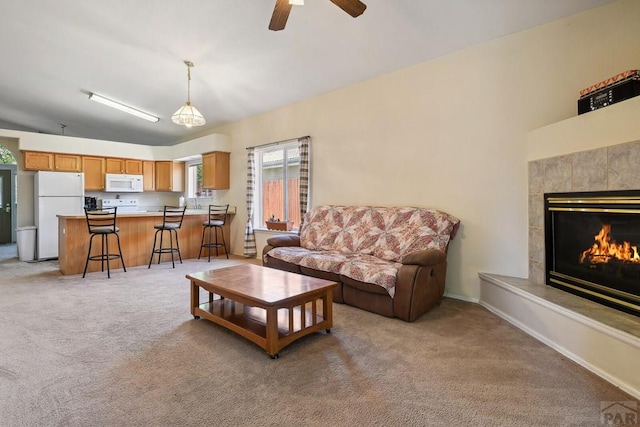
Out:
{"x": 249, "y": 236}
{"x": 304, "y": 177}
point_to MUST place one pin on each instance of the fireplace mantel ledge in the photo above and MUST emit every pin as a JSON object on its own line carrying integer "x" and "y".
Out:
{"x": 616, "y": 124}
{"x": 601, "y": 339}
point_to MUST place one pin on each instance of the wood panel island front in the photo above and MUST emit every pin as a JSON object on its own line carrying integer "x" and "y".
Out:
{"x": 136, "y": 238}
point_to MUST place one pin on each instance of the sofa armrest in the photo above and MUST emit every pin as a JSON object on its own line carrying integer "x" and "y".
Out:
{"x": 283, "y": 240}
{"x": 419, "y": 284}
{"x": 425, "y": 257}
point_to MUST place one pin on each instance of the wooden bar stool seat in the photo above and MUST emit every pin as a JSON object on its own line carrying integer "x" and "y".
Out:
{"x": 216, "y": 221}
{"x": 102, "y": 222}
{"x": 171, "y": 222}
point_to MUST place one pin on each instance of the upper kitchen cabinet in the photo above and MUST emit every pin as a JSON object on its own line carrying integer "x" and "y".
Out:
{"x": 114, "y": 165}
{"x": 169, "y": 176}
{"x": 67, "y": 162}
{"x": 148, "y": 175}
{"x": 58, "y": 162}
{"x": 133, "y": 167}
{"x": 38, "y": 161}
{"x": 215, "y": 170}
{"x": 128, "y": 166}
{"x": 94, "y": 170}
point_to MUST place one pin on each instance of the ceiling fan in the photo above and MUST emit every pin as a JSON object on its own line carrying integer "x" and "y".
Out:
{"x": 283, "y": 8}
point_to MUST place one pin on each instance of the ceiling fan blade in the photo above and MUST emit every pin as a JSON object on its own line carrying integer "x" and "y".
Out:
{"x": 280, "y": 15}
{"x": 352, "y": 7}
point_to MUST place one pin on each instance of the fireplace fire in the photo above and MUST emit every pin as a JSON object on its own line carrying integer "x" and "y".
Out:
{"x": 604, "y": 250}
{"x": 591, "y": 245}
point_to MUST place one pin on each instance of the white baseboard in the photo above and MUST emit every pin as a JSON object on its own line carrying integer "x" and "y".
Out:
{"x": 461, "y": 297}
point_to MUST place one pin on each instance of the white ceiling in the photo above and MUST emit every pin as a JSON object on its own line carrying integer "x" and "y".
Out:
{"x": 55, "y": 52}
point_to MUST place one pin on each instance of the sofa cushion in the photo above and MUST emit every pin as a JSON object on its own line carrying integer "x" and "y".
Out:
{"x": 365, "y": 268}
{"x": 292, "y": 254}
{"x": 330, "y": 261}
{"x": 370, "y": 269}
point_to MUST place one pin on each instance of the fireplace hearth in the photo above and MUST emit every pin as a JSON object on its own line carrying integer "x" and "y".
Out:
{"x": 591, "y": 246}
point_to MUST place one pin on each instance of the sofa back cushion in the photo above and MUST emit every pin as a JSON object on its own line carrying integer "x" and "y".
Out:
{"x": 389, "y": 233}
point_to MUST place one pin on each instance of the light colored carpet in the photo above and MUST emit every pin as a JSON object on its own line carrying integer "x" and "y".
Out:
{"x": 127, "y": 352}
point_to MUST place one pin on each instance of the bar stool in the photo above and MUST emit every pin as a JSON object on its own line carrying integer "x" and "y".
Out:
{"x": 217, "y": 219}
{"x": 171, "y": 222}
{"x": 102, "y": 222}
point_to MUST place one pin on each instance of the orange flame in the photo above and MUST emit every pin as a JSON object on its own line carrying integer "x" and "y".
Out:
{"x": 604, "y": 249}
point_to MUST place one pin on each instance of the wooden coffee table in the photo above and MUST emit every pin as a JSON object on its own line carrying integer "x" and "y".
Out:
{"x": 269, "y": 307}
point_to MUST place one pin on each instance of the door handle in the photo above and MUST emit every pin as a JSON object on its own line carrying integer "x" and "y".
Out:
{"x": 7, "y": 208}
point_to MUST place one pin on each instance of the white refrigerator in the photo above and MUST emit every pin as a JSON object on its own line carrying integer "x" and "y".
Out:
{"x": 55, "y": 193}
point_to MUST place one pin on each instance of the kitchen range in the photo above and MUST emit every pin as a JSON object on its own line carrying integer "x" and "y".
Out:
{"x": 123, "y": 205}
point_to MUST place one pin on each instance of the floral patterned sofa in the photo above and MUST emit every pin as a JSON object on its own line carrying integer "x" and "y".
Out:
{"x": 387, "y": 260}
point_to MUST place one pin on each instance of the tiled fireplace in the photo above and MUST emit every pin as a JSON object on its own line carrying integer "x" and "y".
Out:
{"x": 610, "y": 168}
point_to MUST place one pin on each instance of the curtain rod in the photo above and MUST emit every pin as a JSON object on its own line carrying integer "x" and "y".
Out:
{"x": 278, "y": 142}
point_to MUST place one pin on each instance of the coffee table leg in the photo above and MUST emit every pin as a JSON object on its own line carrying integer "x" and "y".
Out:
{"x": 195, "y": 299}
{"x": 272, "y": 332}
{"x": 327, "y": 309}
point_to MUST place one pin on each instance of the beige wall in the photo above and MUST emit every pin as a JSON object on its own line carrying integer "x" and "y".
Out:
{"x": 451, "y": 133}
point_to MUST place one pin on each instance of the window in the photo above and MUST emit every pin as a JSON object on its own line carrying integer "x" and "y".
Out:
{"x": 194, "y": 179}
{"x": 277, "y": 192}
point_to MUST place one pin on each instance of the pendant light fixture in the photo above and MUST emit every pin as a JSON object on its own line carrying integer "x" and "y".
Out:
{"x": 188, "y": 115}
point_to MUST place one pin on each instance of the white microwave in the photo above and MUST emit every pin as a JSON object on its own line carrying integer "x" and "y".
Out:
{"x": 123, "y": 183}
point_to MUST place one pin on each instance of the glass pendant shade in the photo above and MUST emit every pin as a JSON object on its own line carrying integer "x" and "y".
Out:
{"x": 188, "y": 116}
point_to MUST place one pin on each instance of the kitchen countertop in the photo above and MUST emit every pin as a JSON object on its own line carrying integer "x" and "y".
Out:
{"x": 143, "y": 213}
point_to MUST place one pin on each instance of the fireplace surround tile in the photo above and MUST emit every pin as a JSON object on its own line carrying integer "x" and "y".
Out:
{"x": 624, "y": 166}
{"x": 536, "y": 211}
{"x": 536, "y": 177}
{"x": 557, "y": 174}
{"x": 536, "y": 246}
{"x": 589, "y": 170}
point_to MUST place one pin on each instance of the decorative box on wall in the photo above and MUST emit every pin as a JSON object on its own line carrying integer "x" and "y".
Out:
{"x": 280, "y": 225}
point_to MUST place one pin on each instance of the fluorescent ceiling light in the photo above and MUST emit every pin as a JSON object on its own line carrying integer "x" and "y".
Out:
{"x": 297, "y": 2}
{"x": 118, "y": 106}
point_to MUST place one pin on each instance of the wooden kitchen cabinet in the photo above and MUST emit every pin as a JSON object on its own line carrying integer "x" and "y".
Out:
{"x": 133, "y": 166}
{"x": 128, "y": 166}
{"x": 38, "y": 161}
{"x": 113, "y": 165}
{"x": 169, "y": 176}
{"x": 67, "y": 162}
{"x": 94, "y": 170}
{"x": 215, "y": 170}
{"x": 59, "y": 162}
{"x": 148, "y": 175}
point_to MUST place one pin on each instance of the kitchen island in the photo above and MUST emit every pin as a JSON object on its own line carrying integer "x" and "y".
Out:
{"x": 136, "y": 238}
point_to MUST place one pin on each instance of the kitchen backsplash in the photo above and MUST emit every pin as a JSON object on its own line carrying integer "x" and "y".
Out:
{"x": 151, "y": 201}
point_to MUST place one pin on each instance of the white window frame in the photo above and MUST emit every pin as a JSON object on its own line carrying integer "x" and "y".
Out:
{"x": 258, "y": 153}
{"x": 189, "y": 191}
